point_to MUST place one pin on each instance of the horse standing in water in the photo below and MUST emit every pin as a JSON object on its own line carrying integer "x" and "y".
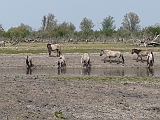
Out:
{"x": 52, "y": 47}
{"x": 142, "y": 53}
{"x": 85, "y": 59}
{"x": 112, "y": 54}
{"x": 62, "y": 61}
{"x": 150, "y": 59}
{"x": 29, "y": 61}
{"x": 29, "y": 64}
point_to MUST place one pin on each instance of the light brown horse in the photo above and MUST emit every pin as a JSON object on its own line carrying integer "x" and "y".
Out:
{"x": 142, "y": 53}
{"x": 112, "y": 54}
{"x": 85, "y": 59}
{"x": 2, "y": 43}
{"x": 29, "y": 61}
{"x": 52, "y": 47}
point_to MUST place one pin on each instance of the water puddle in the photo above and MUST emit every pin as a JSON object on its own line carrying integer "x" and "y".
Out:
{"x": 83, "y": 71}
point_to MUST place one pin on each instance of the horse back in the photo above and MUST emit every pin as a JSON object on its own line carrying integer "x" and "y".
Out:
{"x": 55, "y": 47}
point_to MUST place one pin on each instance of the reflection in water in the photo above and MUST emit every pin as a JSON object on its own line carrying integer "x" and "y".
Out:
{"x": 121, "y": 71}
{"x": 29, "y": 70}
{"x": 150, "y": 71}
{"x": 61, "y": 71}
{"x": 86, "y": 71}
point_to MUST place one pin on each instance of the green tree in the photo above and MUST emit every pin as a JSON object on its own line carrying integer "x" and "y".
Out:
{"x": 131, "y": 22}
{"x": 108, "y": 23}
{"x": 86, "y": 25}
{"x": 17, "y": 32}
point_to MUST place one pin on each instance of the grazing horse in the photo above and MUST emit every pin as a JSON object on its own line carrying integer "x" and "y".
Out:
{"x": 61, "y": 61}
{"x": 29, "y": 61}
{"x": 141, "y": 53}
{"x": 2, "y": 43}
{"x": 53, "y": 47}
{"x": 85, "y": 59}
{"x": 112, "y": 54}
{"x": 150, "y": 59}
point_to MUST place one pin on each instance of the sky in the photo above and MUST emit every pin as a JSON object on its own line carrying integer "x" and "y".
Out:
{"x": 31, "y": 12}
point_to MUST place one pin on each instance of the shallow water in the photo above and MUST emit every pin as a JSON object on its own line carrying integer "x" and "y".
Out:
{"x": 125, "y": 71}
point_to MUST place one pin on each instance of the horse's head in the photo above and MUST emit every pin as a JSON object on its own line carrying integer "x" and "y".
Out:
{"x": 133, "y": 51}
{"x": 49, "y": 45}
{"x": 101, "y": 52}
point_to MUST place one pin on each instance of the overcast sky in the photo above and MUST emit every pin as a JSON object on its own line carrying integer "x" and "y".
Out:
{"x": 31, "y": 12}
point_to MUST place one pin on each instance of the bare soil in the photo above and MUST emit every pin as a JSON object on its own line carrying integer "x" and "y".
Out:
{"x": 29, "y": 97}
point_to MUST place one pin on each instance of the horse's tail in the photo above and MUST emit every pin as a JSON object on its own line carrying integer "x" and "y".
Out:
{"x": 121, "y": 55}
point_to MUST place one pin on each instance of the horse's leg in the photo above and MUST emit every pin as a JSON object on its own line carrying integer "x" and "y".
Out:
{"x": 57, "y": 52}
{"x": 110, "y": 60}
{"x": 105, "y": 59}
{"x": 141, "y": 59}
{"x": 118, "y": 61}
{"x": 49, "y": 51}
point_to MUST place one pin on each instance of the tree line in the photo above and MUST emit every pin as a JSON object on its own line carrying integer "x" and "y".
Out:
{"x": 50, "y": 29}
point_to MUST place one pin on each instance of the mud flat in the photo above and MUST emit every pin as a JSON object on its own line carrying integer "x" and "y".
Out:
{"x": 40, "y": 97}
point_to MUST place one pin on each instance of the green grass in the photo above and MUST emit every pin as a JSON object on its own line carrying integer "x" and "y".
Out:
{"x": 36, "y": 48}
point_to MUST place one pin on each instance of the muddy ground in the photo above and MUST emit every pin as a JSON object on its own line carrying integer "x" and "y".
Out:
{"x": 29, "y": 97}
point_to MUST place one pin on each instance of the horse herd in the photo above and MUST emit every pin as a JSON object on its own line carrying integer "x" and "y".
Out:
{"x": 85, "y": 59}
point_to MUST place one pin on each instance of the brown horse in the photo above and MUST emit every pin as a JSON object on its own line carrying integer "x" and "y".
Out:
{"x": 142, "y": 53}
{"x": 112, "y": 54}
{"x": 52, "y": 47}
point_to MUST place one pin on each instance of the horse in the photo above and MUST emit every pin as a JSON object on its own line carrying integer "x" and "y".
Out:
{"x": 29, "y": 61}
{"x": 2, "y": 43}
{"x": 141, "y": 53}
{"x": 61, "y": 61}
{"x": 150, "y": 59}
{"x": 52, "y": 47}
{"x": 112, "y": 54}
{"x": 85, "y": 59}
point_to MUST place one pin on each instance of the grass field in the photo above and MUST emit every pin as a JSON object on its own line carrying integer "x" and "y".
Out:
{"x": 91, "y": 47}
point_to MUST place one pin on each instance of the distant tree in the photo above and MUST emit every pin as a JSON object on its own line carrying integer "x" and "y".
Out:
{"x": 86, "y": 25}
{"x": 64, "y": 29}
{"x": 2, "y": 32}
{"x": 18, "y": 32}
{"x": 108, "y": 26}
{"x": 131, "y": 22}
{"x": 154, "y": 30}
{"x": 49, "y": 24}
{"x": 108, "y": 23}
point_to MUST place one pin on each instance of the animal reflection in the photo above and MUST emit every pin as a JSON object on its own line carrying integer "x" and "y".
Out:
{"x": 150, "y": 72}
{"x": 85, "y": 60}
{"x": 61, "y": 71}
{"x": 86, "y": 71}
{"x": 112, "y": 54}
{"x": 142, "y": 53}
{"x": 52, "y": 47}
